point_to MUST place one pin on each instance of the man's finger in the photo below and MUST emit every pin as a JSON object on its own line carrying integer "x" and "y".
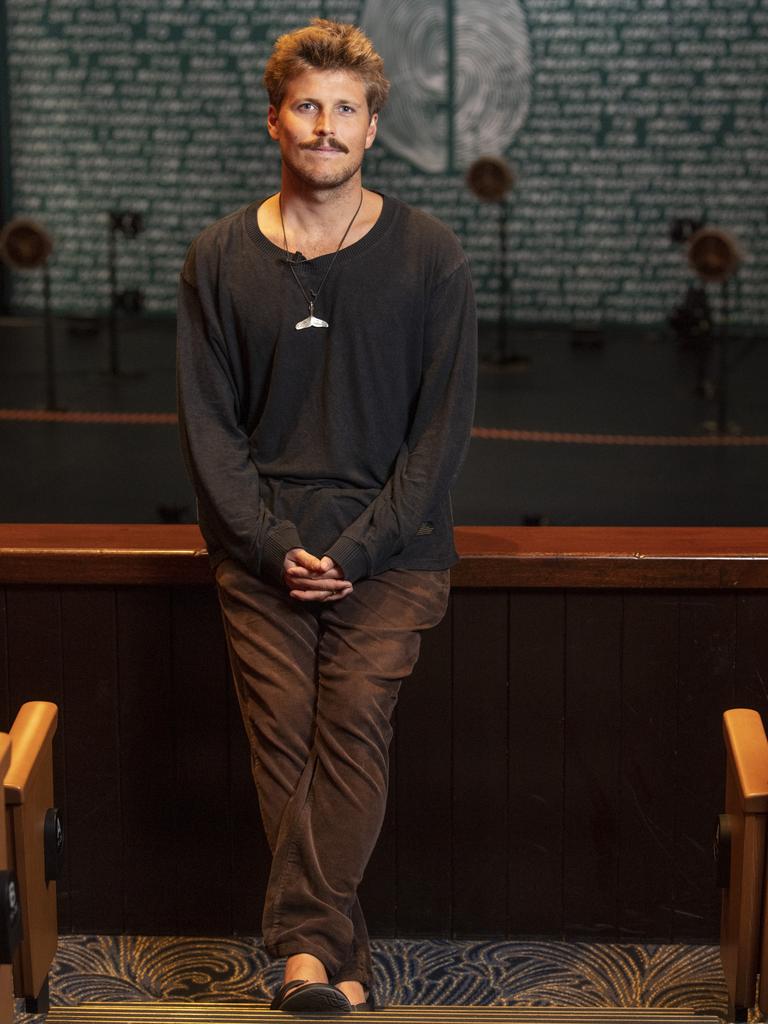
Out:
{"x": 307, "y": 560}
{"x": 297, "y": 570}
{"x": 320, "y": 595}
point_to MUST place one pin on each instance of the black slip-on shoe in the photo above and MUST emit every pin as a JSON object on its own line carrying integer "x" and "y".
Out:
{"x": 299, "y": 996}
{"x": 369, "y": 1004}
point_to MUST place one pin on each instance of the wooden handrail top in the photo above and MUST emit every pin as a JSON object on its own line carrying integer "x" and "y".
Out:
{"x": 490, "y": 556}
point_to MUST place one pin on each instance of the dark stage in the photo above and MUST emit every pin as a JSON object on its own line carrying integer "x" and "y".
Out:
{"x": 599, "y": 428}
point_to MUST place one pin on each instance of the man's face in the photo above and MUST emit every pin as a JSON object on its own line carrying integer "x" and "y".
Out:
{"x": 323, "y": 127}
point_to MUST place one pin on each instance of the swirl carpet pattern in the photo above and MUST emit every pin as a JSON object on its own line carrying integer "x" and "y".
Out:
{"x": 91, "y": 969}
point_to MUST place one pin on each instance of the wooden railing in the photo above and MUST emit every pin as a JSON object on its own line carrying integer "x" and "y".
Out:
{"x": 490, "y": 556}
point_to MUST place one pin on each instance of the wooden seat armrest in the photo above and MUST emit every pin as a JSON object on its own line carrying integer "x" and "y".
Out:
{"x": 5, "y": 754}
{"x": 747, "y": 748}
{"x": 33, "y": 727}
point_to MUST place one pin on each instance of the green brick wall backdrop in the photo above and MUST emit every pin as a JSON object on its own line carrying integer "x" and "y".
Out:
{"x": 618, "y": 116}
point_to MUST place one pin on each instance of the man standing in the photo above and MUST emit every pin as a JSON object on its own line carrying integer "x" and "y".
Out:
{"x": 326, "y": 370}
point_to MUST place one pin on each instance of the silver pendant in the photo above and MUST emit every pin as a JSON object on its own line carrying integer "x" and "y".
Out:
{"x": 311, "y": 320}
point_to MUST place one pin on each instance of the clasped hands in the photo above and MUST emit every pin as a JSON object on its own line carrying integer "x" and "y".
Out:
{"x": 309, "y": 578}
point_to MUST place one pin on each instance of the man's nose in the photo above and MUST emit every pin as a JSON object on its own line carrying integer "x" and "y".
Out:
{"x": 323, "y": 123}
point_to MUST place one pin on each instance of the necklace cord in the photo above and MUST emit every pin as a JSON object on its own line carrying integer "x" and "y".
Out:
{"x": 311, "y": 301}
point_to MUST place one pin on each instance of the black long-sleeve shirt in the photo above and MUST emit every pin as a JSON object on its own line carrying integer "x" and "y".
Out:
{"x": 342, "y": 440}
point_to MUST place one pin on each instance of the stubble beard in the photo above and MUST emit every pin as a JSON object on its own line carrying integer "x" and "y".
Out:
{"x": 327, "y": 182}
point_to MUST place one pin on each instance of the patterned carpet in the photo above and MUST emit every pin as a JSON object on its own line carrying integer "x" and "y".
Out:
{"x": 105, "y": 969}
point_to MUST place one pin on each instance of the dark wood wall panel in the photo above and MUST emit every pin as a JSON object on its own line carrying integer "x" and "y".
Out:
{"x": 92, "y": 754}
{"x": 592, "y": 757}
{"x": 479, "y": 761}
{"x": 147, "y": 723}
{"x": 557, "y": 766}
{"x": 5, "y": 707}
{"x": 752, "y": 652}
{"x": 33, "y": 617}
{"x": 536, "y": 636}
{"x": 200, "y": 687}
{"x": 423, "y": 790}
{"x": 706, "y": 688}
{"x": 648, "y": 759}
{"x": 250, "y": 857}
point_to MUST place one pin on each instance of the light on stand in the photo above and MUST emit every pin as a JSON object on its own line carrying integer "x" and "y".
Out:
{"x": 26, "y": 245}
{"x": 491, "y": 179}
{"x": 715, "y": 256}
{"x": 130, "y": 224}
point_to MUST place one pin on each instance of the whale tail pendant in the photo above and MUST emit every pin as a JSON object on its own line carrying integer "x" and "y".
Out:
{"x": 311, "y": 320}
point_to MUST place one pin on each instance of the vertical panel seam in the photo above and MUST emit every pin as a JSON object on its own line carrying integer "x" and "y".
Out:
{"x": 118, "y": 754}
{"x": 230, "y": 805}
{"x": 6, "y": 659}
{"x": 62, "y": 736}
{"x": 175, "y": 745}
{"x": 676, "y": 777}
{"x": 619, "y": 760}
{"x": 394, "y": 775}
{"x": 563, "y": 768}
{"x": 452, "y": 775}
{"x": 734, "y": 647}
{"x": 508, "y": 769}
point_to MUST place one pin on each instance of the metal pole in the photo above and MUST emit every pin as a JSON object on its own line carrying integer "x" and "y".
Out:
{"x": 501, "y": 327}
{"x": 114, "y": 352}
{"x": 50, "y": 352}
{"x": 722, "y": 369}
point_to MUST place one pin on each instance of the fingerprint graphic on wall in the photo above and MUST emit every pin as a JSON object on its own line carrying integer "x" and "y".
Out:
{"x": 460, "y": 73}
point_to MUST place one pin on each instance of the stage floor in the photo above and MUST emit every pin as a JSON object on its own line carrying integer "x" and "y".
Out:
{"x": 608, "y": 430}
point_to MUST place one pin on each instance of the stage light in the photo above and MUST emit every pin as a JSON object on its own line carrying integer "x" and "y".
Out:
{"x": 26, "y": 245}
{"x": 491, "y": 179}
{"x": 714, "y": 254}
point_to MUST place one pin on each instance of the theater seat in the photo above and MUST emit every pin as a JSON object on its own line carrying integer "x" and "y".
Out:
{"x": 6, "y": 956}
{"x": 741, "y": 862}
{"x": 35, "y": 846}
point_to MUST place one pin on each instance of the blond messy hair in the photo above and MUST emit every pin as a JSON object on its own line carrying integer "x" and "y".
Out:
{"x": 327, "y": 46}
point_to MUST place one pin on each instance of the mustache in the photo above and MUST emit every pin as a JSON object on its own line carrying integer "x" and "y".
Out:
{"x": 329, "y": 143}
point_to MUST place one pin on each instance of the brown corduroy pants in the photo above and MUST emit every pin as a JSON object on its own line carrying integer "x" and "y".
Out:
{"x": 317, "y": 685}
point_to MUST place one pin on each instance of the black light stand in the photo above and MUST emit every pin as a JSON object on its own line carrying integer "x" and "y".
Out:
{"x": 721, "y": 384}
{"x": 491, "y": 178}
{"x": 50, "y": 348}
{"x": 501, "y": 326}
{"x": 26, "y": 245}
{"x": 715, "y": 256}
{"x": 129, "y": 224}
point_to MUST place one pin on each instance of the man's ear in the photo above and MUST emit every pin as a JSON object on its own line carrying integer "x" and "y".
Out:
{"x": 272, "y": 122}
{"x": 371, "y": 133}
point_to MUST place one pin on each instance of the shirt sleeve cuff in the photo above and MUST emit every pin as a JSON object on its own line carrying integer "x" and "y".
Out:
{"x": 276, "y": 545}
{"x": 351, "y": 557}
